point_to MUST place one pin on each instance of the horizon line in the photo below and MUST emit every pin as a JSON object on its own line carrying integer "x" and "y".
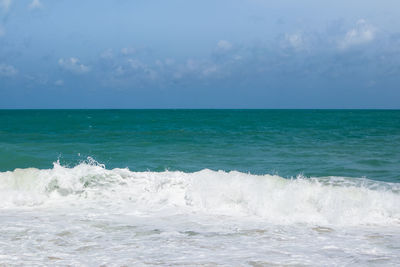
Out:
{"x": 21, "y": 109}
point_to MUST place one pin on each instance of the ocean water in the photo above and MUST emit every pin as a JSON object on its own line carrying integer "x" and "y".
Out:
{"x": 199, "y": 187}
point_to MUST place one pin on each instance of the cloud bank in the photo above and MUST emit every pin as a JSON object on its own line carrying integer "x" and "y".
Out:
{"x": 362, "y": 33}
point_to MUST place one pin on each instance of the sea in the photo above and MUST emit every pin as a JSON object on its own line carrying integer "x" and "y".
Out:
{"x": 199, "y": 187}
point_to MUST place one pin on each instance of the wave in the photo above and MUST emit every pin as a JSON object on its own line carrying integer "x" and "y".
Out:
{"x": 326, "y": 200}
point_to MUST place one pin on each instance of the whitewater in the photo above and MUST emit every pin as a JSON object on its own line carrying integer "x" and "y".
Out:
{"x": 90, "y": 215}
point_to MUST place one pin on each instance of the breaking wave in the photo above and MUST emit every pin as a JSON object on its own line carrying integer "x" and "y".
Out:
{"x": 328, "y": 200}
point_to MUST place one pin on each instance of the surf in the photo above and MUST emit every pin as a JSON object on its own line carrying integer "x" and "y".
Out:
{"x": 271, "y": 198}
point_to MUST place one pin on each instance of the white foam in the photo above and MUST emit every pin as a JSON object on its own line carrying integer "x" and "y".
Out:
{"x": 330, "y": 200}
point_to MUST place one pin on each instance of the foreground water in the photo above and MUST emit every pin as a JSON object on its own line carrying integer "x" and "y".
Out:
{"x": 199, "y": 187}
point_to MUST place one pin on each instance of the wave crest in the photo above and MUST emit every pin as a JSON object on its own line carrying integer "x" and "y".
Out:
{"x": 329, "y": 200}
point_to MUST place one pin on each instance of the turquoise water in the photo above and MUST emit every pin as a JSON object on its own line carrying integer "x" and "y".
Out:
{"x": 199, "y": 187}
{"x": 313, "y": 143}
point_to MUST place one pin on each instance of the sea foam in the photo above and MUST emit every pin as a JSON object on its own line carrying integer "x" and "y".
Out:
{"x": 274, "y": 199}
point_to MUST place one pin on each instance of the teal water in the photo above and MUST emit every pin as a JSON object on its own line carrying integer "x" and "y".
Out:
{"x": 80, "y": 205}
{"x": 313, "y": 143}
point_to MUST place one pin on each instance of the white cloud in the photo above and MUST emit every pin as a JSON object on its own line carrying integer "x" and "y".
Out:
{"x": 128, "y": 50}
{"x": 119, "y": 71}
{"x": 362, "y": 33}
{"x": 107, "y": 54}
{"x": 210, "y": 70}
{"x": 224, "y": 45}
{"x": 295, "y": 40}
{"x": 136, "y": 64}
{"x": 5, "y": 4}
{"x": 159, "y": 63}
{"x": 41, "y": 79}
{"x": 139, "y": 66}
{"x": 7, "y": 70}
{"x": 197, "y": 68}
{"x": 35, "y": 4}
{"x": 73, "y": 65}
{"x": 164, "y": 63}
{"x": 169, "y": 61}
{"x": 59, "y": 83}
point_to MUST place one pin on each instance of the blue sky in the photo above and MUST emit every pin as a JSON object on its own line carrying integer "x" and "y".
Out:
{"x": 199, "y": 54}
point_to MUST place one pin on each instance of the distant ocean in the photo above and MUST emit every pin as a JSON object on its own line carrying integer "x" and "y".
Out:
{"x": 200, "y": 187}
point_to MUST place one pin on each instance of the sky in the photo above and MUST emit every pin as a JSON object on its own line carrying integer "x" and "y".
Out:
{"x": 199, "y": 54}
